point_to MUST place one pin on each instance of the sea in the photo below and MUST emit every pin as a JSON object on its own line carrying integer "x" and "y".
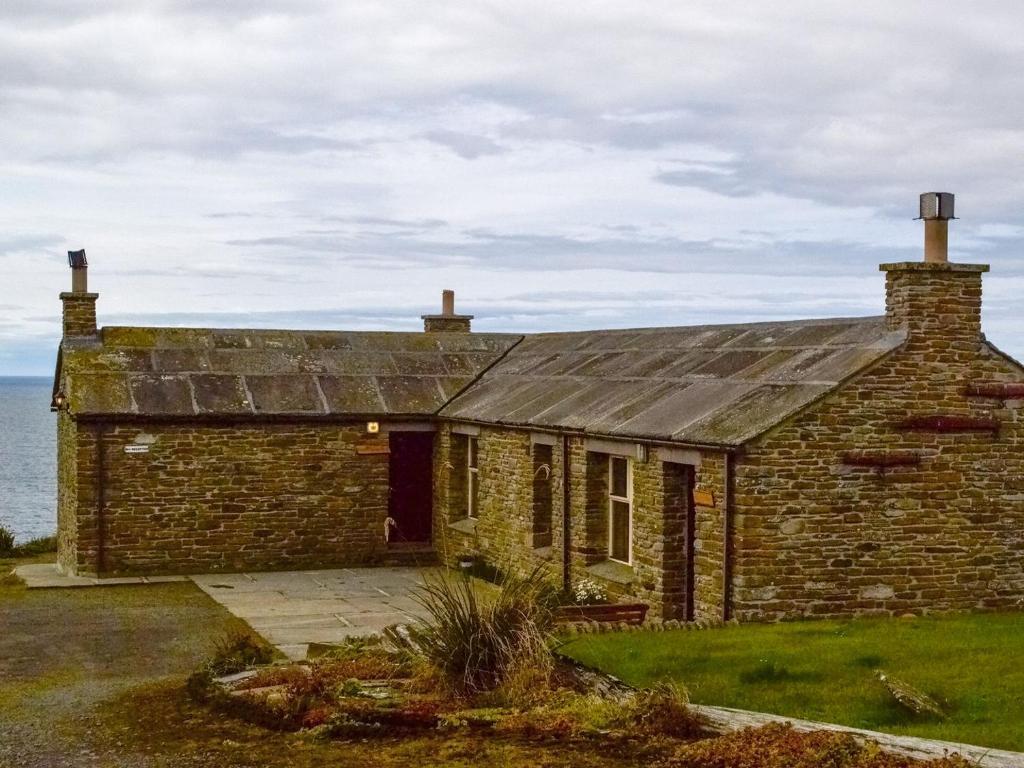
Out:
{"x": 28, "y": 458}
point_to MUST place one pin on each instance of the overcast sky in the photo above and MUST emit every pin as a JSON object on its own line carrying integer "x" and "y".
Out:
{"x": 561, "y": 165}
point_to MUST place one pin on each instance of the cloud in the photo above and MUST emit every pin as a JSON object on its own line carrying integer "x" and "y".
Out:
{"x": 464, "y": 145}
{"x": 283, "y": 155}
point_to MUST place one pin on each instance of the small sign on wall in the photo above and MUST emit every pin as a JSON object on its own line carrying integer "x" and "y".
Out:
{"x": 136, "y": 448}
{"x": 704, "y": 498}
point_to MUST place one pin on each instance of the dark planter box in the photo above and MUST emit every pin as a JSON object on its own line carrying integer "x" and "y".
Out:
{"x": 631, "y": 613}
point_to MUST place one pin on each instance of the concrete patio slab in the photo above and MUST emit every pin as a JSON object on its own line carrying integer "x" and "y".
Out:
{"x": 292, "y": 609}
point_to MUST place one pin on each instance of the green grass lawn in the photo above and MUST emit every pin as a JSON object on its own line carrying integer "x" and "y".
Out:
{"x": 824, "y": 670}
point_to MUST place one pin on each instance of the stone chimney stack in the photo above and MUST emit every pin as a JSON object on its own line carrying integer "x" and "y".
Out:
{"x": 447, "y": 321}
{"x": 936, "y": 301}
{"x": 79, "y": 304}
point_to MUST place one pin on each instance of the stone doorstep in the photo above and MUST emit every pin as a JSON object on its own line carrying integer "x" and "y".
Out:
{"x": 724, "y": 720}
{"x": 46, "y": 576}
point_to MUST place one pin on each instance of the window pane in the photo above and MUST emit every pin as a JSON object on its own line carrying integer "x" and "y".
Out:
{"x": 473, "y": 494}
{"x": 619, "y": 544}
{"x": 620, "y": 472}
{"x": 471, "y": 451}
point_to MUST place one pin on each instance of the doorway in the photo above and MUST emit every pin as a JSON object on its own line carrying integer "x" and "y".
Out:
{"x": 680, "y": 532}
{"x": 411, "y": 491}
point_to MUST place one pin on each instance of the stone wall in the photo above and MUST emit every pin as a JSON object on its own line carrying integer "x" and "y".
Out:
{"x": 865, "y": 503}
{"x": 79, "y": 314}
{"x": 709, "y": 542}
{"x": 67, "y": 492}
{"x": 503, "y": 533}
{"x": 658, "y": 572}
{"x": 228, "y": 498}
{"x": 446, "y": 323}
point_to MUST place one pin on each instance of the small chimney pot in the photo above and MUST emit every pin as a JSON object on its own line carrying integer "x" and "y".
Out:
{"x": 447, "y": 321}
{"x": 79, "y": 271}
{"x": 936, "y": 209}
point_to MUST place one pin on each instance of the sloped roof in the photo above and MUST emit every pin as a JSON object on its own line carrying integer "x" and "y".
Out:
{"x": 192, "y": 371}
{"x": 704, "y": 385}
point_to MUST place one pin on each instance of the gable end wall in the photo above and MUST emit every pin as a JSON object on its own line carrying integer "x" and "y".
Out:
{"x": 817, "y": 537}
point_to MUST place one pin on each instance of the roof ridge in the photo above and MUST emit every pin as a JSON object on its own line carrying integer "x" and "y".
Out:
{"x": 480, "y": 375}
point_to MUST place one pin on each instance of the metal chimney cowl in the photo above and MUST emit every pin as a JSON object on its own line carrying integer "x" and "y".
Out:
{"x": 937, "y": 206}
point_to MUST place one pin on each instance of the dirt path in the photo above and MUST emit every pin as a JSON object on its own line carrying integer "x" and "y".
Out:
{"x": 65, "y": 652}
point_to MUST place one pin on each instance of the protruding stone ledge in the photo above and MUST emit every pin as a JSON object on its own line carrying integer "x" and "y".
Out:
{"x": 881, "y": 459}
{"x": 926, "y": 266}
{"x": 996, "y": 390}
{"x": 610, "y": 570}
{"x": 949, "y": 423}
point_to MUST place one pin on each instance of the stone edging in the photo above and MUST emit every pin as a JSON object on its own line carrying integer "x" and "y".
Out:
{"x": 725, "y": 720}
{"x": 650, "y": 625}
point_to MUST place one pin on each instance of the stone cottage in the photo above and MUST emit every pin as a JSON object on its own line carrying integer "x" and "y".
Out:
{"x": 756, "y": 471}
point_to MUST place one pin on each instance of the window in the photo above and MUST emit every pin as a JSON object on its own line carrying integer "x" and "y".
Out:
{"x": 542, "y": 511}
{"x": 472, "y": 478}
{"x": 620, "y": 504}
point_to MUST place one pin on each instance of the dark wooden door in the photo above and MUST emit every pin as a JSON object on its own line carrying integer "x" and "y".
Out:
{"x": 411, "y": 500}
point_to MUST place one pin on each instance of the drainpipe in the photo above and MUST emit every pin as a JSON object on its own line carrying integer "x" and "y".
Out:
{"x": 729, "y": 480}
{"x": 566, "y": 513}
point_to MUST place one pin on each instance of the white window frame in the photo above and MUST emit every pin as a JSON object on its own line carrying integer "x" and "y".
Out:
{"x": 472, "y": 475}
{"x": 627, "y": 499}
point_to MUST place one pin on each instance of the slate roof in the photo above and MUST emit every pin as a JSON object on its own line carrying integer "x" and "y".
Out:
{"x": 191, "y": 371}
{"x": 703, "y": 385}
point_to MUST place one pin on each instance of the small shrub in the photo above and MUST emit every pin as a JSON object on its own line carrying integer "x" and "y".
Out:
{"x": 42, "y": 545}
{"x": 6, "y": 542}
{"x": 351, "y": 687}
{"x": 200, "y": 684}
{"x": 544, "y": 724}
{"x": 271, "y": 676}
{"x": 237, "y": 651}
{"x": 367, "y": 659}
{"x": 593, "y": 712}
{"x": 316, "y": 717}
{"x": 664, "y": 710}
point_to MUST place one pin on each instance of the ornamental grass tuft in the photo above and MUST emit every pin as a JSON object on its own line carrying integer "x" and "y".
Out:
{"x": 478, "y": 642}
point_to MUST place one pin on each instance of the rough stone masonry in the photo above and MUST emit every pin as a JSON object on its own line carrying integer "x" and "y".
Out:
{"x": 756, "y": 471}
